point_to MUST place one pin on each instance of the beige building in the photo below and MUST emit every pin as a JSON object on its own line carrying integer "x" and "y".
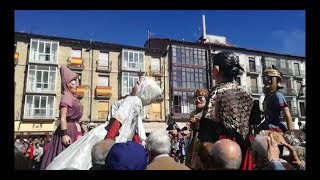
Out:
{"x": 107, "y": 73}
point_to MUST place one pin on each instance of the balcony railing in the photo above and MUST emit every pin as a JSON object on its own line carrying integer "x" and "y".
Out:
{"x": 288, "y": 92}
{"x": 255, "y": 70}
{"x": 16, "y": 58}
{"x": 299, "y": 74}
{"x": 75, "y": 63}
{"x": 286, "y": 71}
{"x": 156, "y": 70}
{"x": 103, "y": 91}
{"x": 103, "y": 66}
{"x": 80, "y": 91}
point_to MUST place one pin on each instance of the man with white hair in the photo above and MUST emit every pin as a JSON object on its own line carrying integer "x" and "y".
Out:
{"x": 158, "y": 145}
{"x": 99, "y": 153}
{"x": 266, "y": 153}
{"x": 226, "y": 155}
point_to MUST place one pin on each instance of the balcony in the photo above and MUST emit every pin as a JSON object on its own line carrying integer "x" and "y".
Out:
{"x": 254, "y": 70}
{"x": 156, "y": 70}
{"x": 103, "y": 92}
{"x": 16, "y": 58}
{"x": 286, "y": 71}
{"x": 288, "y": 92}
{"x": 103, "y": 66}
{"x": 75, "y": 63}
{"x": 80, "y": 91}
{"x": 299, "y": 74}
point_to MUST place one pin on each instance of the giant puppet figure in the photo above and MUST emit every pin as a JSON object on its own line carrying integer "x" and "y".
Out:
{"x": 124, "y": 122}
{"x": 274, "y": 102}
{"x": 227, "y": 111}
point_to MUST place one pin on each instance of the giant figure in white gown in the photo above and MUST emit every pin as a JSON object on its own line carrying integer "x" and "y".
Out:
{"x": 124, "y": 122}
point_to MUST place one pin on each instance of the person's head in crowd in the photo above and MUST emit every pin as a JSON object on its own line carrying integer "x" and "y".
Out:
{"x": 37, "y": 145}
{"x": 226, "y": 155}
{"x": 200, "y": 96}
{"x": 126, "y": 156}
{"x": 20, "y": 161}
{"x": 158, "y": 143}
{"x": 173, "y": 129}
{"x": 260, "y": 149}
{"x": 185, "y": 131}
{"x": 100, "y": 151}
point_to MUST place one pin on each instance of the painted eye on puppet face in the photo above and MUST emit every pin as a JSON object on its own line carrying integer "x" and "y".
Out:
{"x": 73, "y": 82}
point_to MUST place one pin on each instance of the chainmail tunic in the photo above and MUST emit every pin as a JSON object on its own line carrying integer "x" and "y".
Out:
{"x": 227, "y": 112}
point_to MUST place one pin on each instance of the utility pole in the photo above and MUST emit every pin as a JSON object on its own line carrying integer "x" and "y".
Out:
{"x": 91, "y": 82}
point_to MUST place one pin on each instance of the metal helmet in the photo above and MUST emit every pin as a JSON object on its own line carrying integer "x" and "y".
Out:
{"x": 271, "y": 78}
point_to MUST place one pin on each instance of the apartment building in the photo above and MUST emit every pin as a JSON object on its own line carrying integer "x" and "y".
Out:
{"x": 107, "y": 73}
{"x": 190, "y": 67}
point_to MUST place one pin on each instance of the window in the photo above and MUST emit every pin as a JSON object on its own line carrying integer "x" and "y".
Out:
{"x": 183, "y": 102}
{"x": 254, "y": 85}
{"x": 133, "y": 60}
{"x": 43, "y": 51}
{"x": 156, "y": 111}
{"x": 302, "y": 108}
{"x": 103, "y": 108}
{"x": 299, "y": 90}
{"x": 79, "y": 76}
{"x": 252, "y": 65}
{"x": 296, "y": 69}
{"x": 41, "y": 78}
{"x": 76, "y": 53}
{"x": 269, "y": 62}
{"x": 128, "y": 81}
{"x": 155, "y": 64}
{"x": 39, "y": 107}
{"x": 193, "y": 78}
{"x": 103, "y": 81}
{"x": 104, "y": 59}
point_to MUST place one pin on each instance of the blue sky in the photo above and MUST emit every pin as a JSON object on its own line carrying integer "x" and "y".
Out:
{"x": 272, "y": 30}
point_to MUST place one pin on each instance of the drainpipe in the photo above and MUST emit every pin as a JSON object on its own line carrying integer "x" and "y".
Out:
{"x": 171, "y": 82}
{"x": 164, "y": 87}
{"x": 90, "y": 115}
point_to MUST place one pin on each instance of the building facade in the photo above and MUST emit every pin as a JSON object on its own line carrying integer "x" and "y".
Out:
{"x": 107, "y": 73}
{"x": 190, "y": 67}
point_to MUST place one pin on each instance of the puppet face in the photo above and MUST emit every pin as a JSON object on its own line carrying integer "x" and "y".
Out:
{"x": 72, "y": 85}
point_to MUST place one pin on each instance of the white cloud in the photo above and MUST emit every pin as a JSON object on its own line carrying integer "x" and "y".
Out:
{"x": 292, "y": 41}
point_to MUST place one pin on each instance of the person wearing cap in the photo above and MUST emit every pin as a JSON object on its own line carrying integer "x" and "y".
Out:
{"x": 192, "y": 157}
{"x": 126, "y": 156}
{"x": 274, "y": 102}
{"x": 227, "y": 112}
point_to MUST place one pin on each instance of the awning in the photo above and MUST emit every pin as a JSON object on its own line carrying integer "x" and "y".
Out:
{"x": 28, "y": 133}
